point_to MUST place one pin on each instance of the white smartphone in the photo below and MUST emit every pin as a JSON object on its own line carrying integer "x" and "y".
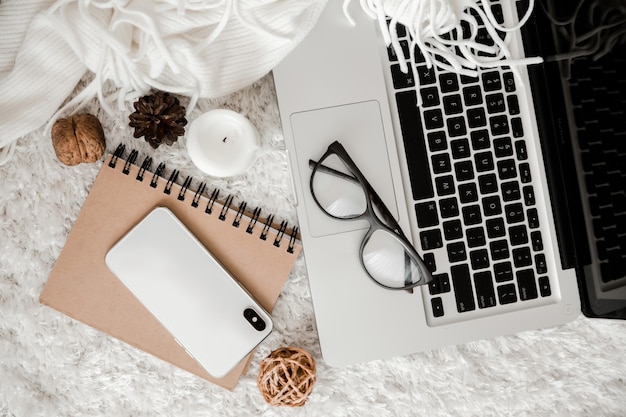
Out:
{"x": 204, "y": 308}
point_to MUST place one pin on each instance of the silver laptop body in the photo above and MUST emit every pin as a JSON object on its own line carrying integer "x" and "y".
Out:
{"x": 337, "y": 85}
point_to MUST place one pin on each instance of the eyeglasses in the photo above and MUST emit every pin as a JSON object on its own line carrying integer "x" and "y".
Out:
{"x": 342, "y": 192}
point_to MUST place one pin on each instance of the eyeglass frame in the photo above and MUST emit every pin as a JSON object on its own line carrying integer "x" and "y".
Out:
{"x": 388, "y": 223}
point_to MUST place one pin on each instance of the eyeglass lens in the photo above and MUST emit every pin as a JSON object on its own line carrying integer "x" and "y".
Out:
{"x": 342, "y": 196}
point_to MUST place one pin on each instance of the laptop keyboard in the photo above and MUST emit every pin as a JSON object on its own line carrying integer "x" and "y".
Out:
{"x": 599, "y": 98}
{"x": 474, "y": 195}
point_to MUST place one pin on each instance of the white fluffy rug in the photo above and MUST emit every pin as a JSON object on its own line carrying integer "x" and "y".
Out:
{"x": 51, "y": 365}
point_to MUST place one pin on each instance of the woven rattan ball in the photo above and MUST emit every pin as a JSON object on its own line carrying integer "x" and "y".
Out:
{"x": 287, "y": 377}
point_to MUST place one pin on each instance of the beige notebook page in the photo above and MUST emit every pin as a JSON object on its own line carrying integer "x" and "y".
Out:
{"x": 81, "y": 286}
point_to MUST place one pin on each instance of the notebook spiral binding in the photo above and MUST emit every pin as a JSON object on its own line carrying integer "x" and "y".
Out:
{"x": 255, "y": 216}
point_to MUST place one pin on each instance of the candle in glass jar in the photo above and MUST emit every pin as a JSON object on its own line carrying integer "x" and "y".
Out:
{"x": 222, "y": 143}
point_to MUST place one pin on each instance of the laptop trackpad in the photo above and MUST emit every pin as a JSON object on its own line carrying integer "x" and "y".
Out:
{"x": 358, "y": 127}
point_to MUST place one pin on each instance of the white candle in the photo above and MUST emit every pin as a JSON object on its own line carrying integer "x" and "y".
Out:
{"x": 222, "y": 143}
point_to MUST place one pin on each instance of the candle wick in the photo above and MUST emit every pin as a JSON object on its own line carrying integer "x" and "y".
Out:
{"x": 224, "y": 140}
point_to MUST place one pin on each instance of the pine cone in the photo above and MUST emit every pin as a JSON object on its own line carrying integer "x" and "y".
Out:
{"x": 159, "y": 117}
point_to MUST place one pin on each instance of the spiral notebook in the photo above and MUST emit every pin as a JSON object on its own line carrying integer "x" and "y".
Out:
{"x": 257, "y": 251}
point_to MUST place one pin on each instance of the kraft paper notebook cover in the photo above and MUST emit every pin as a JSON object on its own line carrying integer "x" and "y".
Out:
{"x": 258, "y": 253}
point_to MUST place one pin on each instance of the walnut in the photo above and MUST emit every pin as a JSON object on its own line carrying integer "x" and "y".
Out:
{"x": 78, "y": 138}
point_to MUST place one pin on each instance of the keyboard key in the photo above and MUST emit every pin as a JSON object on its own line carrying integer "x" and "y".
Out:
{"x": 426, "y": 214}
{"x": 526, "y": 284}
{"x": 460, "y": 148}
{"x": 419, "y": 56}
{"x": 495, "y": 228}
{"x": 518, "y": 235}
{"x": 522, "y": 257}
{"x": 449, "y": 207}
{"x": 472, "y": 95}
{"x": 520, "y": 150}
{"x": 499, "y": 125}
{"x": 456, "y": 252}
{"x": 480, "y": 139}
{"x": 437, "y": 141}
{"x": 495, "y": 103}
{"x": 430, "y": 97}
{"x": 414, "y": 146}
{"x": 452, "y": 104}
{"x": 439, "y": 285}
{"x": 503, "y": 271}
{"x": 503, "y": 147}
{"x": 485, "y": 295}
{"x": 449, "y": 82}
{"x": 479, "y": 259}
{"x": 437, "y": 306}
{"x": 524, "y": 172}
{"x": 452, "y": 230}
{"x": 492, "y": 81}
{"x": 487, "y": 183}
{"x": 466, "y": 79}
{"x": 536, "y": 241}
{"x": 471, "y": 215}
{"x": 476, "y": 118}
{"x": 456, "y": 126}
{"x": 391, "y": 52}
{"x": 431, "y": 239}
{"x": 506, "y": 169}
{"x": 533, "y": 218}
{"x": 433, "y": 119}
{"x": 476, "y": 237}
{"x": 484, "y": 161}
{"x": 426, "y": 75}
{"x": 513, "y": 105}
{"x": 529, "y": 195}
{"x": 491, "y": 206}
{"x": 540, "y": 264}
{"x": 484, "y": 37}
{"x": 509, "y": 82}
{"x": 464, "y": 171}
{"x": 514, "y": 213}
{"x": 510, "y": 191}
{"x": 499, "y": 250}
{"x": 462, "y": 285}
{"x": 441, "y": 163}
{"x": 516, "y": 127}
{"x": 468, "y": 193}
{"x": 400, "y": 79}
{"x": 506, "y": 294}
{"x": 429, "y": 261}
{"x": 544, "y": 287}
{"x": 445, "y": 185}
{"x": 399, "y": 28}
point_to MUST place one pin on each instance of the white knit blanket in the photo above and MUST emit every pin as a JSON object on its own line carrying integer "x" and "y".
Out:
{"x": 196, "y": 48}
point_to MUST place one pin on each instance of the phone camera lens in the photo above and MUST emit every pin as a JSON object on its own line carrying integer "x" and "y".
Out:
{"x": 253, "y": 318}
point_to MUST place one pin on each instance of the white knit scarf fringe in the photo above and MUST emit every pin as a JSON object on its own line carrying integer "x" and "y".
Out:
{"x": 209, "y": 48}
{"x": 428, "y": 20}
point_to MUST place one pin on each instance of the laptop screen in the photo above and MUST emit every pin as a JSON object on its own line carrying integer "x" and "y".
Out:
{"x": 582, "y": 88}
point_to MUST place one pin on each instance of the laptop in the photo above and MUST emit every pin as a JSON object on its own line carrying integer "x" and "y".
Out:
{"x": 471, "y": 175}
